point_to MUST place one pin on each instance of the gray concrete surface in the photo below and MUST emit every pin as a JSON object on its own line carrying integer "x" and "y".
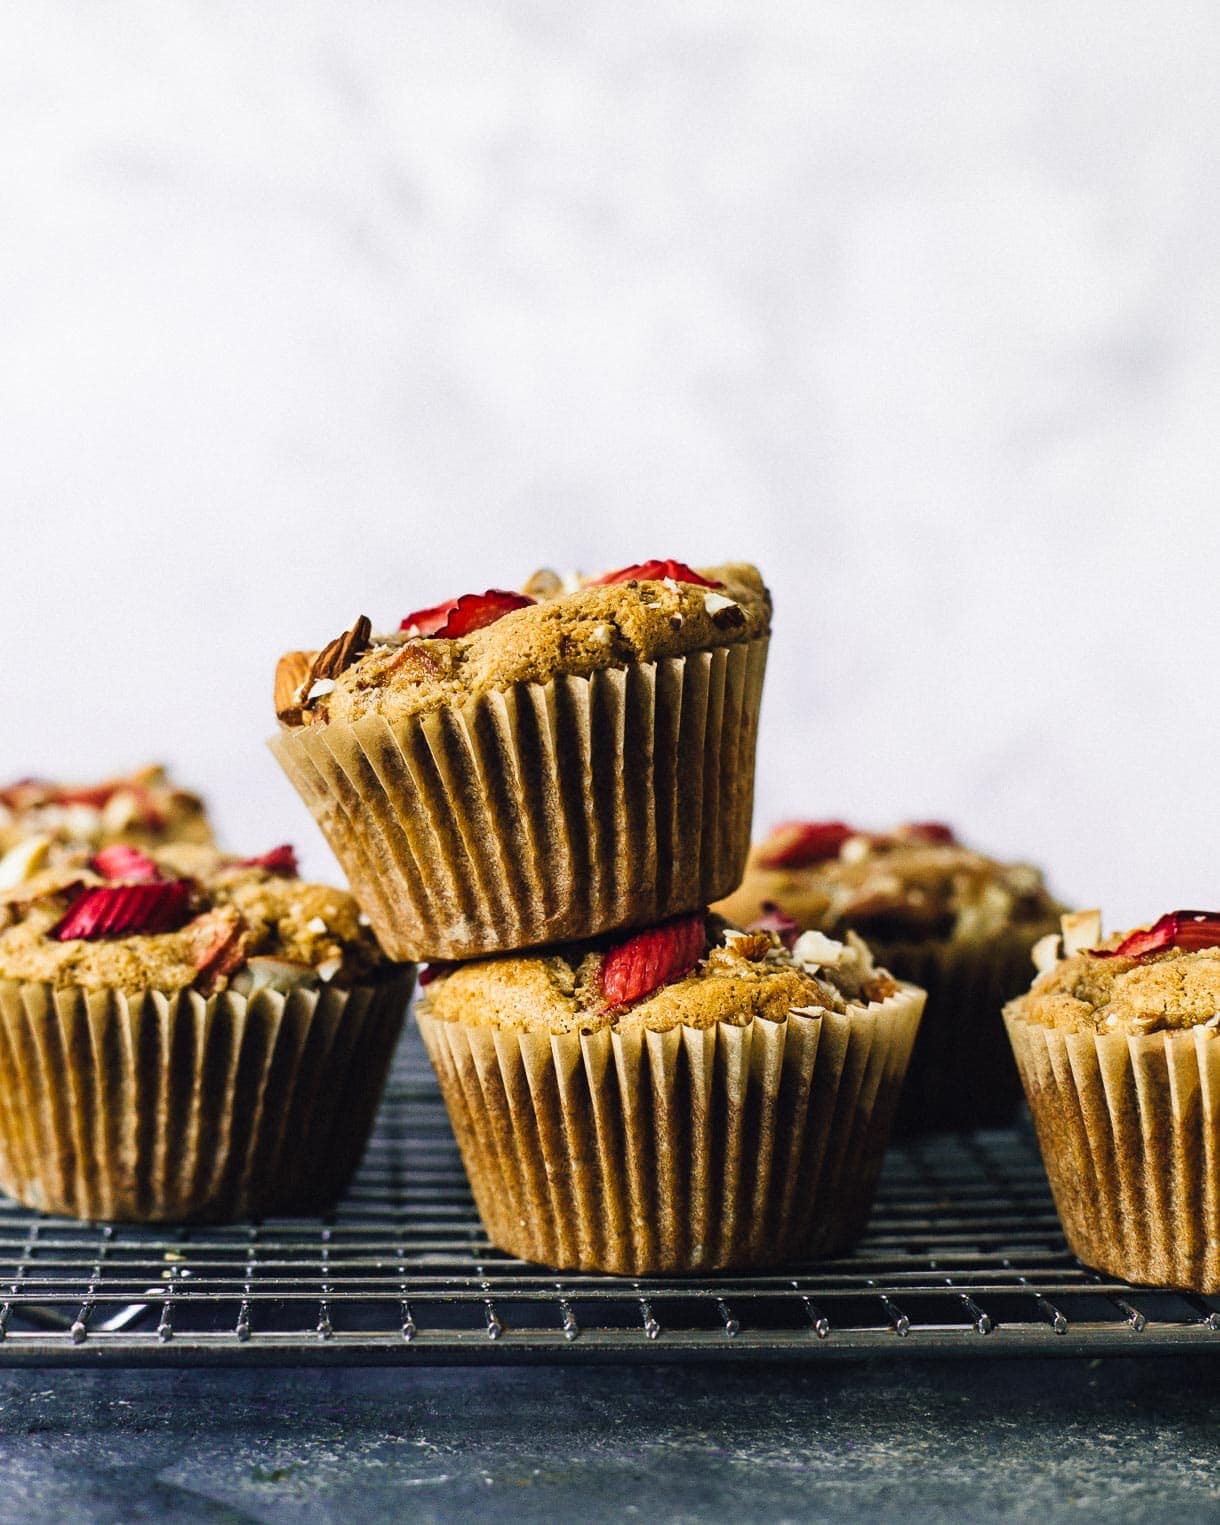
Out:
{"x": 1123, "y": 1441}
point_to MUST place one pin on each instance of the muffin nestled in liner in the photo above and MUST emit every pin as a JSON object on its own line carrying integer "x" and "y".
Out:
{"x": 688, "y": 1098}
{"x": 509, "y": 770}
{"x": 1118, "y": 1044}
{"x": 951, "y": 920}
{"x": 186, "y": 1036}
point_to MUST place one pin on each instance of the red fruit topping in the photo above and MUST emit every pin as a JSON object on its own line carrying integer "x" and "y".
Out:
{"x": 796, "y": 844}
{"x": 123, "y": 862}
{"x": 1187, "y": 930}
{"x": 434, "y": 970}
{"x": 280, "y": 860}
{"x": 654, "y": 571}
{"x": 223, "y": 957}
{"x": 121, "y": 909}
{"x": 461, "y": 616}
{"x": 775, "y": 919}
{"x": 935, "y": 833}
{"x": 653, "y": 958}
{"x": 429, "y": 621}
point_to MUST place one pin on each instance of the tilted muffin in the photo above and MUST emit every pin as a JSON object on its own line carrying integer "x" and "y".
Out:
{"x": 509, "y": 769}
{"x": 686, "y": 1098}
{"x": 146, "y": 809}
{"x": 950, "y": 919}
{"x": 1118, "y": 1044}
{"x": 185, "y": 1035}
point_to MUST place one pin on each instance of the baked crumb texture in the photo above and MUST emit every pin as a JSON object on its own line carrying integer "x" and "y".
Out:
{"x": 145, "y": 808}
{"x": 576, "y": 632}
{"x": 735, "y": 1118}
{"x": 225, "y": 1066}
{"x": 244, "y": 927}
{"x": 892, "y": 887}
{"x": 541, "y": 785}
{"x": 1121, "y": 1066}
{"x": 938, "y": 914}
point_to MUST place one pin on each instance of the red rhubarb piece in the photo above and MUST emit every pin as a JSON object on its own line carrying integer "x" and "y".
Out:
{"x": 434, "y": 970}
{"x": 1188, "y": 930}
{"x": 429, "y": 621}
{"x": 654, "y": 571}
{"x": 797, "y": 844}
{"x": 222, "y": 957}
{"x": 119, "y": 910}
{"x": 280, "y": 860}
{"x": 123, "y": 862}
{"x": 653, "y": 958}
{"x": 462, "y": 616}
{"x": 775, "y": 919}
{"x": 935, "y": 833}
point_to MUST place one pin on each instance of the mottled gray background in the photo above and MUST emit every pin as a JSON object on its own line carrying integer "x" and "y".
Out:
{"x": 311, "y": 308}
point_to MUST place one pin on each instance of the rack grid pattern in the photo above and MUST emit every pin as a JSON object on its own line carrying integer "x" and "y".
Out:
{"x": 963, "y": 1256}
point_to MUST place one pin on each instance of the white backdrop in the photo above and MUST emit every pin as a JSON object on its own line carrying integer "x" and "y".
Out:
{"x": 312, "y": 309}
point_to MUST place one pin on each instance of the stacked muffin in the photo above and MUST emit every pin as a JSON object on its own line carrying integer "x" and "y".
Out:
{"x": 539, "y": 794}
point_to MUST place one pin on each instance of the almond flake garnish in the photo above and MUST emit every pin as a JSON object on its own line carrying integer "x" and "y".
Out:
{"x": 1045, "y": 952}
{"x": 1081, "y": 930}
{"x": 320, "y": 690}
{"x": 290, "y": 674}
{"x": 338, "y": 655}
{"x": 23, "y": 861}
{"x": 816, "y": 950}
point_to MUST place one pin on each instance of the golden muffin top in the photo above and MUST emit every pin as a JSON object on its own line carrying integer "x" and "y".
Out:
{"x": 476, "y": 644}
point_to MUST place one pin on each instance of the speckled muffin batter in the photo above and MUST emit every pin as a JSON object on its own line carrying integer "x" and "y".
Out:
{"x": 510, "y": 770}
{"x": 681, "y": 1098}
{"x": 1118, "y": 1045}
{"x": 187, "y": 1035}
{"x": 579, "y": 630}
{"x": 238, "y": 924}
{"x": 938, "y": 913}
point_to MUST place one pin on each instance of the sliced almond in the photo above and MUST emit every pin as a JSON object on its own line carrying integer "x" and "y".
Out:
{"x": 816, "y": 950}
{"x": 23, "y": 861}
{"x": 338, "y": 655}
{"x": 1045, "y": 952}
{"x": 290, "y": 674}
{"x": 1081, "y": 930}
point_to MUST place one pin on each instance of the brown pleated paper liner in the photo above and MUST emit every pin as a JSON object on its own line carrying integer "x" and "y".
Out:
{"x": 542, "y": 812}
{"x": 962, "y": 1073}
{"x": 694, "y": 1149}
{"x": 1129, "y": 1128}
{"x": 154, "y": 1107}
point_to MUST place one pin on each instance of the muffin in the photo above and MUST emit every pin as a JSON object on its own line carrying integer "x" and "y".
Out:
{"x": 952, "y": 920}
{"x": 513, "y": 769}
{"x": 686, "y": 1098}
{"x": 1118, "y": 1044}
{"x": 147, "y": 809}
{"x": 185, "y": 1035}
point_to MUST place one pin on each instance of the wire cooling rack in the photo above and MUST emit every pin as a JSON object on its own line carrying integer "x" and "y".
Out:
{"x": 963, "y": 1256}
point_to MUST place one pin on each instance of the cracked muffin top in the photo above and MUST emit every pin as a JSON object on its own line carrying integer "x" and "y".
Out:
{"x": 1161, "y": 978}
{"x": 147, "y": 809}
{"x": 481, "y": 642}
{"x": 915, "y": 883}
{"x": 181, "y": 916}
{"x": 694, "y": 971}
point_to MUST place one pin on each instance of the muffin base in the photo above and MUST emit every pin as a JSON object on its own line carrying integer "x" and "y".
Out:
{"x": 542, "y": 812}
{"x": 1129, "y": 1129}
{"x": 695, "y": 1149}
{"x": 151, "y": 1107}
{"x": 962, "y": 1073}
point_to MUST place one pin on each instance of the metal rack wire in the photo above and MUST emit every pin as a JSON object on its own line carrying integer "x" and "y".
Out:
{"x": 963, "y": 1256}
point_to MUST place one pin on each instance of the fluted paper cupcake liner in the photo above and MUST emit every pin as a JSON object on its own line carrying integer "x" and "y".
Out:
{"x": 542, "y": 812}
{"x": 1129, "y": 1128}
{"x": 153, "y": 1107}
{"x": 962, "y": 1073}
{"x": 695, "y": 1149}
